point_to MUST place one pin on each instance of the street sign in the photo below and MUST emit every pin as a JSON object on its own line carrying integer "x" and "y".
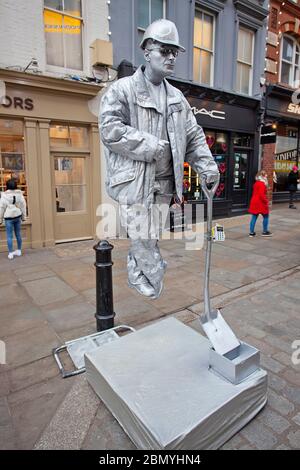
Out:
{"x": 268, "y": 135}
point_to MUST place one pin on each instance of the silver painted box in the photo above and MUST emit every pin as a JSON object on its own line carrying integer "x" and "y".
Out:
{"x": 158, "y": 385}
{"x": 235, "y": 366}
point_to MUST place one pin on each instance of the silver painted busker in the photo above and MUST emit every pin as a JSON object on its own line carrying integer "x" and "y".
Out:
{"x": 148, "y": 130}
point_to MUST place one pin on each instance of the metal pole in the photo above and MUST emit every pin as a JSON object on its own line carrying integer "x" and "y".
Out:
{"x": 209, "y": 193}
{"x": 207, "y": 308}
{"x": 104, "y": 288}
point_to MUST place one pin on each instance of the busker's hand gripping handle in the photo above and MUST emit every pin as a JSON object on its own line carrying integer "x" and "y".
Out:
{"x": 209, "y": 192}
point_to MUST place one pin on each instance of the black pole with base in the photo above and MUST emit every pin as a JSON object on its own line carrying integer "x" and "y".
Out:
{"x": 104, "y": 288}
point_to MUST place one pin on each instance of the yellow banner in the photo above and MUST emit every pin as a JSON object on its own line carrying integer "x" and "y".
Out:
{"x": 59, "y": 23}
{"x": 284, "y": 166}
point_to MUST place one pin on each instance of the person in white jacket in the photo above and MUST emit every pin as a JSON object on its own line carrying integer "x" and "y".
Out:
{"x": 13, "y": 211}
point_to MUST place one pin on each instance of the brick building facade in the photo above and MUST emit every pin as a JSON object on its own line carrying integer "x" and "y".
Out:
{"x": 282, "y": 73}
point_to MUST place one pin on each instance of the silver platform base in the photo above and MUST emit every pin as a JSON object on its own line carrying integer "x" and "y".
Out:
{"x": 158, "y": 385}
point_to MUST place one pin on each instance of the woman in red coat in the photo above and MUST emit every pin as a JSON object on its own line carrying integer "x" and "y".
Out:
{"x": 259, "y": 204}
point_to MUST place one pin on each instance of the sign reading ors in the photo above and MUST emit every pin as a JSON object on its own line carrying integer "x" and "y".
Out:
{"x": 17, "y": 103}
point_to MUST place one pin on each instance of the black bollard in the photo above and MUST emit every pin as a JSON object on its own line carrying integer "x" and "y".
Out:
{"x": 104, "y": 287}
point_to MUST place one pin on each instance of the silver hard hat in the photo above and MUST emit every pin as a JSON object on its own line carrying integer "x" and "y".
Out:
{"x": 163, "y": 31}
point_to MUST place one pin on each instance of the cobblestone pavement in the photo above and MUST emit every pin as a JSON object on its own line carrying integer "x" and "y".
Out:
{"x": 48, "y": 297}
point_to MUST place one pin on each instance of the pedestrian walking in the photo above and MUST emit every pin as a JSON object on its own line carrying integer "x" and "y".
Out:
{"x": 13, "y": 211}
{"x": 292, "y": 181}
{"x": 259, "y": 204}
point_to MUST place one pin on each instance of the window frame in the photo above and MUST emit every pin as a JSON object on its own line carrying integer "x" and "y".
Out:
{"x": 68, "y": 147}
{"x": 293, "y": 64}
{"x": 243, "y": 62}
{"x": 139, "y": 29}
{"x": 57, "y": 68}
{"x": 23, "y": 187}
{"x": 212, "y": 71}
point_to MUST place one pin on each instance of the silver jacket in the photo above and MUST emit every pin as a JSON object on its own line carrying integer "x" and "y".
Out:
{"x": 129, "y": 124}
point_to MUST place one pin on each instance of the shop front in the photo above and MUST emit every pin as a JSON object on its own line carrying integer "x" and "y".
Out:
{"x": 49, "y": 142}
{"x": 283, "y": 111}
{"x": 230, "y": 125}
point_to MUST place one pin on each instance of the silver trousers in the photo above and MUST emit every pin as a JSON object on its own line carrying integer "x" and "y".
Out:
{"x": 143, "y": 228}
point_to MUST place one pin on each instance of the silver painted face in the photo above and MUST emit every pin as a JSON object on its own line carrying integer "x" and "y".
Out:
{"x": 162, "y": 59}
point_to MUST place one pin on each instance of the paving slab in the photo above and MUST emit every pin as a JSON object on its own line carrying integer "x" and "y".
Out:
{"x": 36, "y": 372}
{"x": 260, "y": 436}
{"x": 274, "y": 421}
{"x": 4, "y": 383}
{"x": 33, "y": 408}
{"x": 35, "y": 275}
{"x": 280, "y": 404}
{"x": 12, "y": 294}
{"x": 70, "y": 316}
{"x": 20, "y": 317}
{"x": 30, "y": 345}
{"x": 294, "y": 439}
{"x": 53, "y": 289}
{"x": 131, "y": 311}
{"x": 106, "y": 433}
{"x": 7, "y": 278}
{"x": 8, "y": 438}
{"x": 80, "y": 279}
{"x": 296, "y": 419}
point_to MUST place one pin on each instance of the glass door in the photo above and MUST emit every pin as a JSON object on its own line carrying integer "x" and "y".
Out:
{"x": 240, "y": 178}
{"x": 72, "y": 197}
{"x": 242, "y": 150}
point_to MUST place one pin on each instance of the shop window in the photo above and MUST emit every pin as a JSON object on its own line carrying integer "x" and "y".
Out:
{"x": 285, "y": 154}
{"x": 70, "y": 184}
{"x": 242, "y": 140}
{"x": 240, "y": 170}
{"x": 218, "y": 145}
{"x": 63, "y": 32}
{"x": 242, "y": 144}
{"x": 290, "y": 65}
{"x": 245, "y": 61}
{"x": 12, "y": 161}
{"x": 203, "y": 47}
{"x": 148, "y": 11}
{"x": 68, "y": 136}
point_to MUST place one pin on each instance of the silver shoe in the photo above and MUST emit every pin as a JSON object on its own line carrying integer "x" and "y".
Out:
{"x": 143, "y": 287}
{"x": 158, "y": 291}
